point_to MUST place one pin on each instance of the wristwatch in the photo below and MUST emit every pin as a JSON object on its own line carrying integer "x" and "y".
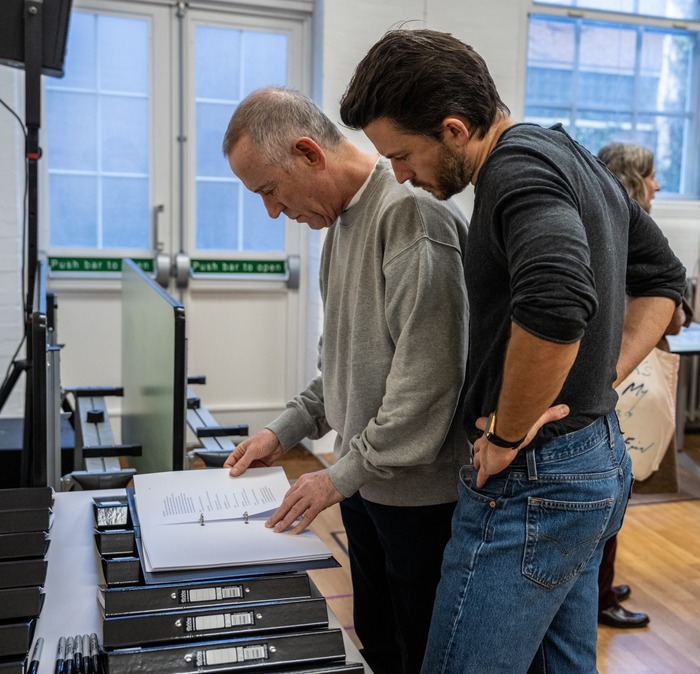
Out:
{"x": 495, "y": 440}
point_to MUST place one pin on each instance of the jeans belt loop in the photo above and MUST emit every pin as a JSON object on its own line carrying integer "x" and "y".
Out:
{"x": 611, "y": 435}
{"x": 531, "y": 464}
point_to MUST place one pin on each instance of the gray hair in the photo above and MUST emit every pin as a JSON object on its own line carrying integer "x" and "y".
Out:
{"x": 273, "y": 117}
{"x": 631, "y": 164}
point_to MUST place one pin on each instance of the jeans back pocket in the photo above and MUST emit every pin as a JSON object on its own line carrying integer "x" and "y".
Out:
{"x": 561, "y": 537}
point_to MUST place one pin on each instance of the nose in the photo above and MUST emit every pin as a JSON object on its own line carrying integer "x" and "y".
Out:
{"x": 273, "y": 206}
{"x": 401, "y": 171}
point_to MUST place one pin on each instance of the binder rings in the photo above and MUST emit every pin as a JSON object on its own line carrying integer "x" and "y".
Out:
{"x": 213, "y": 623}
{"x": 117, "y": 601}
{"x": 268, "y": 653}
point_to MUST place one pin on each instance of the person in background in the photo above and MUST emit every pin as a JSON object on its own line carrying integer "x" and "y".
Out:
{"x": 392, "y": 359}
{"x": 555, "y": 243}
{"x": 634, "y": 167}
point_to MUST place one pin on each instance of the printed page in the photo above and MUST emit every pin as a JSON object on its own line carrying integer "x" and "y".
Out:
{"x": 193, "y": 496}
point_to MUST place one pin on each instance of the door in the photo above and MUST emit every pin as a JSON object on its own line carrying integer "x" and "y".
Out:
{"x": 134, "y": 168}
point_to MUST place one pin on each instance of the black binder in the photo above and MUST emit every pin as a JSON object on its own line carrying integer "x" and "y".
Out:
{"x": 113, "y": 542}
{"x": 216, "y": 573}
{"x": 121, "y": 570}
{"x": 16, "y": 637}
{"x": 214, "y": 623}
{"x": 271, "y": 653}
{"x": 117, "y": 601}
{"x": 22, "y": 573}
{"x": 12, "y": 665}
{"x": 23, "y": 544}
{"x": 339, "y": 668}
{"x": 24, "y": 498}
{"x": 12, "y": 521}
{"x": 21, "y": 602}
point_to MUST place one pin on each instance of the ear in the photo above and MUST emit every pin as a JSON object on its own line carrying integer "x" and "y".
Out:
{"x": 455, "y": 131}
{"x": 309, "y": 152}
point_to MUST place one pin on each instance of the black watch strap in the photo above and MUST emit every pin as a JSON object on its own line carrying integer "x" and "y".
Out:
{"x": 495, "y": 440}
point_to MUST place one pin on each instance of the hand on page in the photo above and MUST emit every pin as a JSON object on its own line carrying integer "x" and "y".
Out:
{"x": 261, "y": 449}
{"x": 306, "y": 498}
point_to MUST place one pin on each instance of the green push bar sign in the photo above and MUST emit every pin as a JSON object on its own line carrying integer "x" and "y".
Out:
{"x": 208, "y": 266}
{"x": 93, "y": 265}
{"x": 205, "y": 266}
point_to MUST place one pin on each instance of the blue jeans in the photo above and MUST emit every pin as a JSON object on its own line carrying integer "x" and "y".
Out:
{"x": 519, "y": 590}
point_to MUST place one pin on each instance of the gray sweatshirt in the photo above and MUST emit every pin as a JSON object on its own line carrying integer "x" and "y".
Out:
{"x": 393, "y": 351}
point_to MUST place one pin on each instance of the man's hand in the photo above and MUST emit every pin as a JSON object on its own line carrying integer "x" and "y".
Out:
{"x": 306, "y": 498}
{"x": 489, "y": 459}
{"x": 261, "y": 449}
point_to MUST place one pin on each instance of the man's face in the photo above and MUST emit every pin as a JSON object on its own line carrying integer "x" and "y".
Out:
{"x": 297, "y": 191}
{"x": 429, "y": 164}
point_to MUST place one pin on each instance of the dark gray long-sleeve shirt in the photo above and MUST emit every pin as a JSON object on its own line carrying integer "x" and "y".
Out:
{"x": 555, "y": 244}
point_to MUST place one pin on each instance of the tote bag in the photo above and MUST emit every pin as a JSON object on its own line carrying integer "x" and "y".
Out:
{"x": 646, "y": 409}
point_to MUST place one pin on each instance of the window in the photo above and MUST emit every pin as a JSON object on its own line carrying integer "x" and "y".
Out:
{"x": 230, "y": 64}
{"x": 608, "y": 80}
{"x": 98, "y": 141}
{"x": 113, "y": 130}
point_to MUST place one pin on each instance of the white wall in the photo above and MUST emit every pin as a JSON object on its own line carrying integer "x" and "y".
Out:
{"x": 11, "y": 191}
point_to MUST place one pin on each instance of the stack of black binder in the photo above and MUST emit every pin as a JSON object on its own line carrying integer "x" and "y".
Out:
{"x": 249, "y": 623}
{"x": 25, "y": 521}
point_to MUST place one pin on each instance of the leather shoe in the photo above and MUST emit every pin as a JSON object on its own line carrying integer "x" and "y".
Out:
{"x": 621, "y": 592}
{"x": 616, "y": 616}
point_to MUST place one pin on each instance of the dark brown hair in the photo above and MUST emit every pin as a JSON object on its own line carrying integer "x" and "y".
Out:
{"x": 416, "y": 78}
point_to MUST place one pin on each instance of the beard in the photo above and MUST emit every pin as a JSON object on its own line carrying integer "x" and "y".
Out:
{"x": 452, "y": 175}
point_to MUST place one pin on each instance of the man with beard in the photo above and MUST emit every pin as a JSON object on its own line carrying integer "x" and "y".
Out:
{"x": 555, "y": 245}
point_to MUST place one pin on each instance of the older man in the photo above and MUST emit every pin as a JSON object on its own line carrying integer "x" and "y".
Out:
{"x": 392, "y": 360}
{"x": 555, "y": 245}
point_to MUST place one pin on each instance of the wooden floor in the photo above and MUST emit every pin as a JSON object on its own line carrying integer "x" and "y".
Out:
{"x": 658, "y": 556}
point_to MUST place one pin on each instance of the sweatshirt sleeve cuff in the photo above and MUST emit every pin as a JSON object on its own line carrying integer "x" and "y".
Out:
{"x": 290, "y": 428}
{"x": 349, "y": 474}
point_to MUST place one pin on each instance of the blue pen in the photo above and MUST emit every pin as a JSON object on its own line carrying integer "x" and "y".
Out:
{"x": 60, "y": 655}
{"x": 36, "y": 656}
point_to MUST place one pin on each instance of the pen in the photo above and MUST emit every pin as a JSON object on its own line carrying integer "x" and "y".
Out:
{"x": 95, "y": 654}
{"x": 85, "y": 665}
{"x": 60, "y": 655}
{"x": 77, "y": 654}
{"x": 68, "y": 661}
{"x": 36, "y": 655}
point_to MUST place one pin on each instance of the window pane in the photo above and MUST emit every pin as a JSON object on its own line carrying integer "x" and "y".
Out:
{"x": 71, "y": 131}
{"x": 123, "y": 52}
{"x": 230, "y": 63}
{"x": 73, "y": 216}
{"x": 125, "y": 213}
{"x": 212, "y": 120}
{"x": 217, "y": 215}
{"x": 670, "y": 9}
{"x": 124, "y": 124}
{"x": 218, "y": 64}
{"x": 618, "y": 82}
{"x": 260, "y": 231}
{"x": 98, "y": 136}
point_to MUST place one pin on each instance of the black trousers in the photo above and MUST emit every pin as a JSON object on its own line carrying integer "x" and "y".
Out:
{"x": 606, "y": 596}
{"x": 395, "y": 558}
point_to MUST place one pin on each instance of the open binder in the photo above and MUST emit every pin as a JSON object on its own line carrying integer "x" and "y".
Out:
{"x": 207, "y": 525}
